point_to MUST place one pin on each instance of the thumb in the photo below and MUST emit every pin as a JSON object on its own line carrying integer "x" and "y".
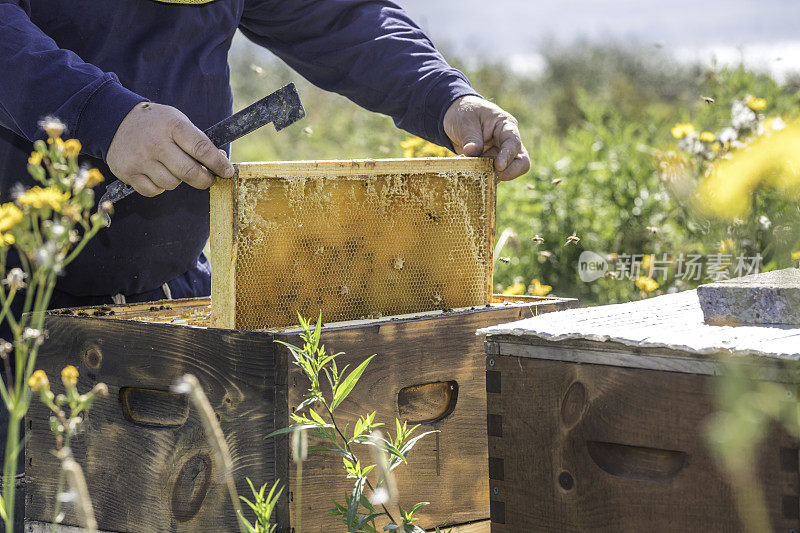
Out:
{"x": 472, "y": 140}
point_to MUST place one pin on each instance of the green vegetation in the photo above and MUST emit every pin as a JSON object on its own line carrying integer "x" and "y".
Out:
{"x": 595, "y": 124}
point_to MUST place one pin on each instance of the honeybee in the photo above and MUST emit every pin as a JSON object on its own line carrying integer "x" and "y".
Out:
{"x": 537, "y": 239}
{"x": 544, "y": 254}
{"x": 505, "y": 260}
{"x": 708, "y": 99}
{"x": 652, "y": 229}
{"x": 530, "y": 186}
{"x": 555, "y": 181}
{"x": 572, "y": 239}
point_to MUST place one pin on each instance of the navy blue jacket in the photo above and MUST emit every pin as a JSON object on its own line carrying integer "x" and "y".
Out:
{"x": 89, "y": 62}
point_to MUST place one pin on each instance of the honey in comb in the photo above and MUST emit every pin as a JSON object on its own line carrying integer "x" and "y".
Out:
{"x": 391, "y": 237}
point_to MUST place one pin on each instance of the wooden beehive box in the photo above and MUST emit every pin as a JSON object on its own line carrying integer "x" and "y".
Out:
{"x": 597, "y": 421}
{"x": 146, "y": 459}
{"x": 350, "y": 239}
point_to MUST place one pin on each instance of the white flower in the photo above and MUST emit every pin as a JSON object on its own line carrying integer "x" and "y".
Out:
{"x": 15, "y": 279}
{"x": 764, "y": 222}
{"x": 53, "y": 126}
{"x": 742, "y": 117}
{"x": 727, "y": 135}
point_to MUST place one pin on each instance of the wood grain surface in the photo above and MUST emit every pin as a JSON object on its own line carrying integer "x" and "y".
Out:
{"x": 448, "y": 469}
{"x": 585, "y": 447}
{"x": 154, "y": 471}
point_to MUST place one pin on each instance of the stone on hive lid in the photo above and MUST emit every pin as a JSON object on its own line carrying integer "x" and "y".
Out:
{"x": 769, "y": 298}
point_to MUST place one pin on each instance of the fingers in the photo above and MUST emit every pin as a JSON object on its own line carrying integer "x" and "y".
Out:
{"x": 144, "y": 185}
{"x": 161, "y": 176}
{"x": 195, "y": 143}
{"x": 472, "y": 142}
{"x": 506, "y": 136}
{"x": 518, "y": 166}
{"x": 187, "y": 169}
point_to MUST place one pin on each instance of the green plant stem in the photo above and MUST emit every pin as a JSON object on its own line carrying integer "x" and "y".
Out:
{"x": 10, "y": 466}
{"x": 41, "y": 305}
{"x": 299, "y": 496}
{"x": 353, "y": 455}
{"x": 62, "y": 476}
{"x": 86, "y": 238}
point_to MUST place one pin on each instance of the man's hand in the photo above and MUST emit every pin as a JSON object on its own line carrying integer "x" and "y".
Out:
{"x": 477, "y": 127}
{"x": 156, "y": 147}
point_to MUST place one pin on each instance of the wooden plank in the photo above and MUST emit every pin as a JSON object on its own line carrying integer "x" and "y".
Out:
{"x": 223, "y": 251}
{"x": 362, "y": 167}
{"x": 484, "y": 526}
{"x": 155, "y": 475}
{"x": 448, "y": 469}
{"x": 615, "y": 354}
{"x": 33, "y": 526}
{"x": 580, "y": 447}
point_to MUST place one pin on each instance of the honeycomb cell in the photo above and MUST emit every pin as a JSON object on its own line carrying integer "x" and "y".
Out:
{"x": 350, "y": 239}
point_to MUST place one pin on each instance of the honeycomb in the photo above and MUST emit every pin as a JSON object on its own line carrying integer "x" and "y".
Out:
{"x": 356, "y": 239}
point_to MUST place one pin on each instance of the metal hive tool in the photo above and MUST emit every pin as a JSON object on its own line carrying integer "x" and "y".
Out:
{"x": 350, "y": 239}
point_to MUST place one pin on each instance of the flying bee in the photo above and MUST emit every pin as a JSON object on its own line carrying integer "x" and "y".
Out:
{"x": 652, "y": 229}
{"x": 555, "y": 181}
{"x": 537, "y": 239}
{"x": 612, "y": 274}
{"x": 530, "y": 186}
{"x": 544, "y": 254}
{"x": 505, "y": 260}
{"x": 708, "y": 99}
{"x": 572, "y": 239}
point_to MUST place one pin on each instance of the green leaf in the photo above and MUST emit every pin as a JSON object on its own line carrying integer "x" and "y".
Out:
{"x": 410, "y": 443}
{"x": 290, "y": 429}
{"x": 353, "y": 502}
{"x": 317, "y": 418}
{"x": 348, "y": 383}
{"x": 305, "y": 403}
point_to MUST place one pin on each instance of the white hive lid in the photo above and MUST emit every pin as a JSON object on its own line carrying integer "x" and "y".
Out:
{"x": 672, "y": 321}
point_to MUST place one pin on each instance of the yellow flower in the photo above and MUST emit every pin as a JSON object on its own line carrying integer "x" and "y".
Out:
{"x": 58, "y": 142}
{"x": 72, "y": 147}
{"x": 796, "y": 256}
{"x": 707, "y": 137}
{"x": 647, "y": 259}
{"x": 93, "y": 177}
{"x": 37, "y": 198}
{"x": 726, "y": 246}
{"x": 646, "y": 284}
{"x": 770, "y": 160}
{"x": 679, "y": 131}
{"x": 35, "y": 158}
{"x": 756, "y": 104}
{"x": 69, "y": 376}
{"x": 10, "y": 216}
{"x": 515, "y": 289}
{"x": 38, "y": 381}
{"x": 537, "y": 288}
{"x": 418, "y": 147}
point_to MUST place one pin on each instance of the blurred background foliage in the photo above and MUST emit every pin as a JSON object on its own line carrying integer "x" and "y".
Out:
{"x": 596, "y": 122}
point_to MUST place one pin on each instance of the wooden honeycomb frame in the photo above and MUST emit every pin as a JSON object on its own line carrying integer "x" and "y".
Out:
{"x": 350, "y": 239}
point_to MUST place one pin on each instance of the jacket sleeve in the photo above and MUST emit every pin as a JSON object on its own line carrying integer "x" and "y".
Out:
{"x": 39, "y": 78}
{"x": 367, "y": 50}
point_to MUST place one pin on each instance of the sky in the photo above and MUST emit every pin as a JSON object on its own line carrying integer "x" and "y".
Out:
{"x": 765, "y": 33}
